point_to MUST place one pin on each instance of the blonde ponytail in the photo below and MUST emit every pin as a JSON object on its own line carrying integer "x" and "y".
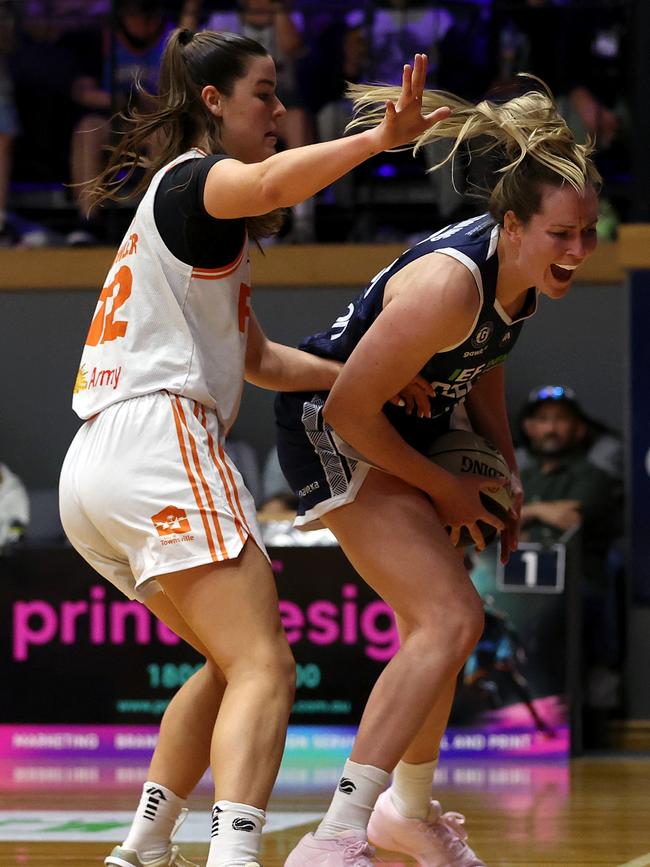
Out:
{"x": 534, "y": 141}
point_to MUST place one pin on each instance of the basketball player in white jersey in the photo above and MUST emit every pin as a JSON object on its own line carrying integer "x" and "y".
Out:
{"x": 449, "y": 309}
{"x": 148, "y": 495}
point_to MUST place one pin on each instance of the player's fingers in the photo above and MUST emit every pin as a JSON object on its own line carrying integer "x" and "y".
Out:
{"x": 407, "y": 91}
{"x": 439, "y": 114}
{"x": 424, "y": 384}
{"x": 419, "y": 76}
{"x": 477, "y": 536}
{"x": 492, "y": 520}
{"x": 454, "y": 535}
{"x": 505, "y": 548}
{"x": 410, "y": 403}
{"x": 423, "y": 404}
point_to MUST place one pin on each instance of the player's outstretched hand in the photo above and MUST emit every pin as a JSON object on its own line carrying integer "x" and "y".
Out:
{"x": 404, "y": 121}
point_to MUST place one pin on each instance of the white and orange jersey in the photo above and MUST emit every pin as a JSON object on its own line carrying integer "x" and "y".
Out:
{"x": 163, "y": 325}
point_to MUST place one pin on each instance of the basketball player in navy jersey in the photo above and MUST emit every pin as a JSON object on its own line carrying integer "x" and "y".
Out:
{"x": 451, "y": 308}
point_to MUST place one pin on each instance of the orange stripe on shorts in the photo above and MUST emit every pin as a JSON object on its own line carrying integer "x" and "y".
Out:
{"x": 238, "y": 518}
{"x": 190, "y": 476}
{"x": 206, "y": 488}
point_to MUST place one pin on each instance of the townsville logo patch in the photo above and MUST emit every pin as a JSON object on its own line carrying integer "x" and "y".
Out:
{"x": 170, "y": 521}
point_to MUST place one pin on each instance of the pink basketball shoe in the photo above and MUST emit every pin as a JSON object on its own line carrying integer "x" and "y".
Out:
{"x": 347, "y": 849}
{"x": 437, "y": 841}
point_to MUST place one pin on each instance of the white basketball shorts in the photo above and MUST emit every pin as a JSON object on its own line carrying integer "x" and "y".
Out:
{"x": 146, "y": 488}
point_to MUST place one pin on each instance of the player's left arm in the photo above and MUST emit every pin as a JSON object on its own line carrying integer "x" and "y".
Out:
{"x": 278, "y": 367}
{"x": 486, "y": 409}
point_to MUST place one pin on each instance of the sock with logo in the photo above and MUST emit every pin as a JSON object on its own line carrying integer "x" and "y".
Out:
{"x": 410, "y": 790}
{"x": 236, "y": 834}
{"x": 154, "y": 821}
{"x": 353, "y": 801}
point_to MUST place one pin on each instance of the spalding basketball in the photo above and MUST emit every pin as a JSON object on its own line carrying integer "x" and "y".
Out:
{"x": 461, "y": 451}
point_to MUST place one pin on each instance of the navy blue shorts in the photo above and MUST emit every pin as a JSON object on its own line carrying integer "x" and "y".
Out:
{"x": 323, "y": 471}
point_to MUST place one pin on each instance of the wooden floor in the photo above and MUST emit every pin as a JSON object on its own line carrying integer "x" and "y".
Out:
{"x": 595, "y": 811}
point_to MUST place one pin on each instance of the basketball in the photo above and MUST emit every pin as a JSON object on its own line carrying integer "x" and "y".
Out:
{"x": 461, "y": 451}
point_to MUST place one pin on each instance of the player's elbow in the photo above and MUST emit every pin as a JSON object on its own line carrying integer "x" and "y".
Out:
{"x": 330, "y": 412}
{"x": 335, "y": 414}
{"x": 344, "y": 418}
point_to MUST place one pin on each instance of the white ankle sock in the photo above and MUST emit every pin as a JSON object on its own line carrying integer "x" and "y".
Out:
{"x": 353, "y": 801}
{"x": 154, "y": 819}
{"x": 410, "y": 790}
{"x": 236, "y": 834}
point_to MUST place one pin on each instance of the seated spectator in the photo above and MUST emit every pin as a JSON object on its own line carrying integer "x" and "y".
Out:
{"x": 563, "y": 490}
{"x": 587, "y": 71}
{"x": 14, "y": 508}
{"x": 109, "y": 66}
{"x": 602, "y": 446}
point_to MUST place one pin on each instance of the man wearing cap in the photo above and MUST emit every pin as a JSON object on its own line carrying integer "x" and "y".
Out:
{"x": 563, "y": 488}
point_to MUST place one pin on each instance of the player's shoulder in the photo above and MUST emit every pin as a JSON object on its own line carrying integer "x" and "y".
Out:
{"x": 476, "y": 236}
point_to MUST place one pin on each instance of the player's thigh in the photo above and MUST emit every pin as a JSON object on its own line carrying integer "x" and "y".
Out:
{"x": 164, "y": 609}
{"x": 232, "y": 607}
{"x": 394, "y": 539}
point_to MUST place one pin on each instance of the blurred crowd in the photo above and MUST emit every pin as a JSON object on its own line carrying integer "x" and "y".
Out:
{"x": 67, "y": 67}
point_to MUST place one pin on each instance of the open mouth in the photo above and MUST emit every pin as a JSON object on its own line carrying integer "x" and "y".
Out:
{"x": 563, "y": 273}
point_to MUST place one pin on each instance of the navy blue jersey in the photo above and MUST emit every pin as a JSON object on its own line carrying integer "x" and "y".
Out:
{"x": 453, "y": 370}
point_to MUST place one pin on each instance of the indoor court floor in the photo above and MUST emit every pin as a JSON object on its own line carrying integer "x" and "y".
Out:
{"x": 593, "y": 812}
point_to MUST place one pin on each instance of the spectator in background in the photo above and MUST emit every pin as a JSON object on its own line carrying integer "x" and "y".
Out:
{"x": 398, "y": 26}
{"x": 281, "y": 32}
{"x": 9, "y": 126}
{"x": 109, "y": 66}
{"x": 14, "y": 508}
{"x": 599, "y": 443}
{"x": 586, "y": 68}
{"x": 565, "y": 489}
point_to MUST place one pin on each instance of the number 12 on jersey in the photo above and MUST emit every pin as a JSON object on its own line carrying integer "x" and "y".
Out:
{"x": 105, "y": 326}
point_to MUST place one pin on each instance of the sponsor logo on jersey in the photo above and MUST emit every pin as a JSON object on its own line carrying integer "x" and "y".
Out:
{"x": 346, "y": 786}
{"x": 505, "y": 338}
{"x": 172, "y": 521}
{"x": 99, "y": 378}
{"x": 81, "y": 382}
{"x": 482, "y": 334}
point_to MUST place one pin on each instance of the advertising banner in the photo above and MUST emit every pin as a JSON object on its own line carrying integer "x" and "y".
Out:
{"x": 85, "y": 671}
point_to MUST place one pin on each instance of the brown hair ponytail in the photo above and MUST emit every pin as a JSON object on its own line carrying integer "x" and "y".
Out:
{"x": 177, "y": 118}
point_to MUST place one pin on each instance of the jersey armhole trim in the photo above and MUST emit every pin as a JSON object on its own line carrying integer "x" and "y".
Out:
{"x": 475, "y": 271}
{"x": 224, "y": 270}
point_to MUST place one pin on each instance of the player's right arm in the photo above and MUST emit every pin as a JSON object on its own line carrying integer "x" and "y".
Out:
{"x": 234, "y": 189}
{"x": 432, "y": 303}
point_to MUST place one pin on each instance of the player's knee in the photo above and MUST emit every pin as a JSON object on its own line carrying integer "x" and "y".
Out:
{"x": 460, "y": 627}
{"x": 274, "y": 667}
{"x": 276, "y": 673}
